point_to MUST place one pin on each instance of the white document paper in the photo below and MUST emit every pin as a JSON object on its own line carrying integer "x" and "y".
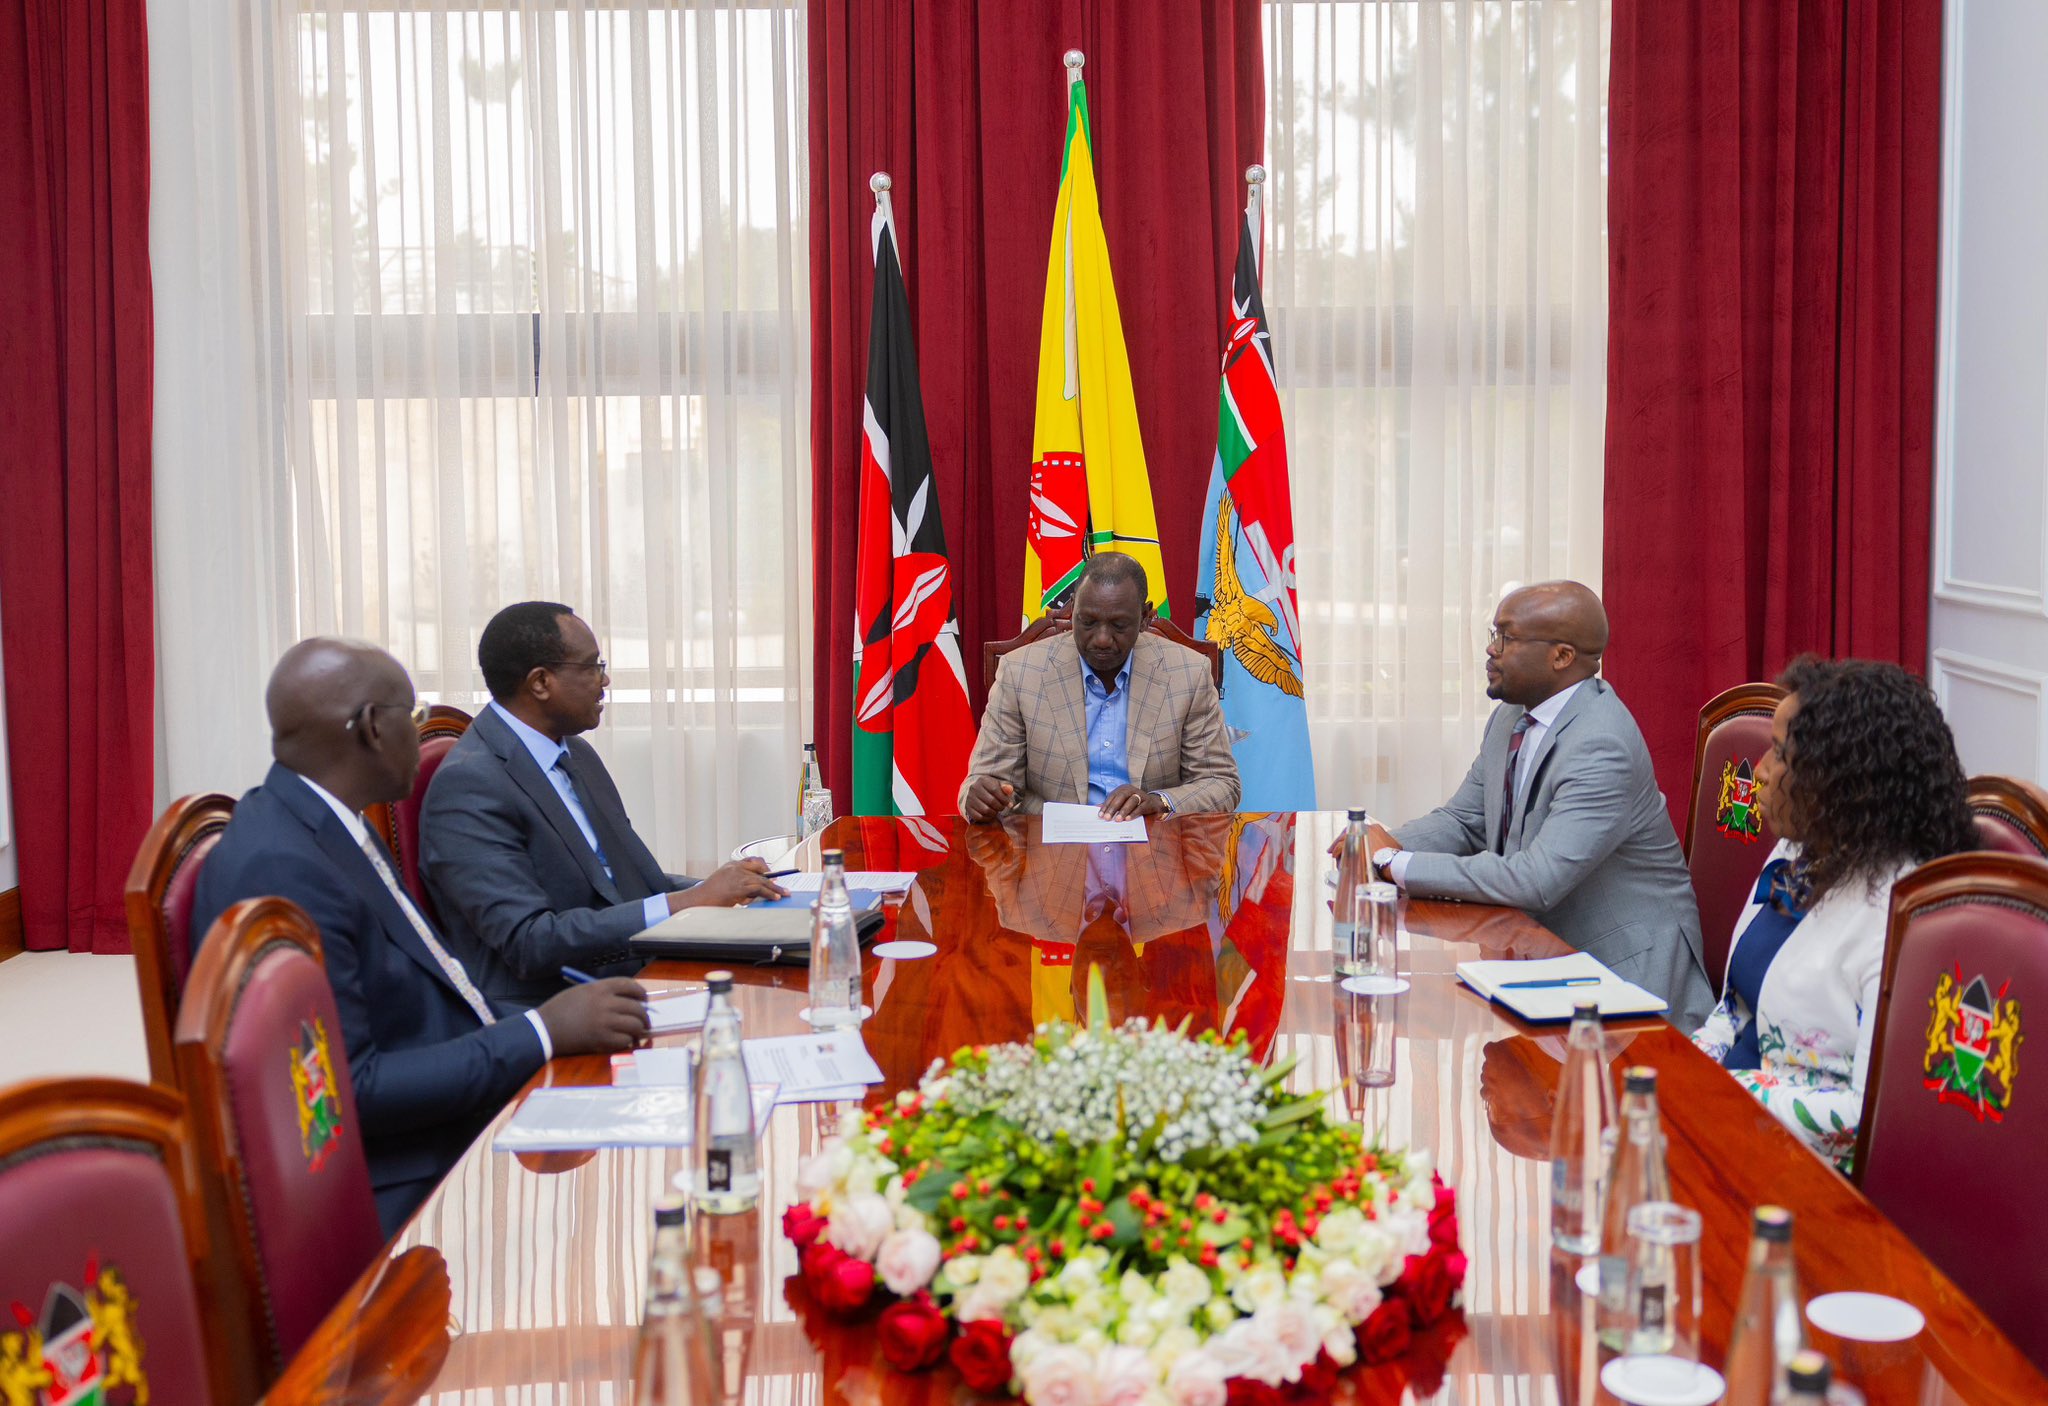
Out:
{"x": 1070, "y": 824}
{"x": 811, "y": 1067}
{"x": 578, "y": 1119}
{"x": 684, "y": 1012}
{"x": 873, "y": 880}
{"x": 672, "y": 1067}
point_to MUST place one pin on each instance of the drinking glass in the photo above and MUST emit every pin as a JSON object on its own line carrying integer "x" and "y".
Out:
{"x": 1368, "y": 947}
{"x": 817, "y": 810}
{"x": 1366, "y": 1031}
{"x": 1663, "y": 1316}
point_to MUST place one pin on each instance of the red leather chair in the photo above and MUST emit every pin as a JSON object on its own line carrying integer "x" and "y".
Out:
{"x": 399, "y": 824}
{"x": 1944, "y": 1147}
{"x": 2011, "y": 816}
{"x": 102, "y": 1246}
{"x": 1726, "y": 838}
{"x": 160, "y": 888}
{"x": 1062, "y": 620}
{"x": 259, "y": 1046}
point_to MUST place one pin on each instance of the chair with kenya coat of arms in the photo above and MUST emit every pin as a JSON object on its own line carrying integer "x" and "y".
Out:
{"x": 103, "y": 1246}
{"x": 2010, "y": 816}
{"x": 161, "y": 884}
{"x": 1949, "y": 1146}
{"x": 259, "y": 1050}
{"x": 398, "y": 822}
{"x": 1726, "y": 839}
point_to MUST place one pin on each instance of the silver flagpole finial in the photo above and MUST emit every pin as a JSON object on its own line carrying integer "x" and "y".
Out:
{"x": 1256, "y": 175}
{"x": 879, "y": 182}
{"x": 1074, "y": 58}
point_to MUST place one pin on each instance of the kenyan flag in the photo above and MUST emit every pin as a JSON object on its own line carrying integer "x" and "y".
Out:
{"x": 912, "y": 729}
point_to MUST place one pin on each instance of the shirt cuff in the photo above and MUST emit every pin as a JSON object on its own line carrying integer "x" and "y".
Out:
{"x": 654, "y": 910}
{"x": 1397, "y": 868}
{"x": 1165, "y": 800}
{"x": 540, "y": 1028}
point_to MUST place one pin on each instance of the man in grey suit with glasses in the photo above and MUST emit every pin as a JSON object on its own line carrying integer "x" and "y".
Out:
{"x": 1560, "y": 814}
{"x": 525, "y": 846}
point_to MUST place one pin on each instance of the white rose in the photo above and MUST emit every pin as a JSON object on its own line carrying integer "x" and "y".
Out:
{"x": 1123, "y": 1377}
{"x": 1219, "y": 1313}
{"x": 1197, "y": 1379}
{"x": 852, "y": 1123}
{"x": 907, "y": 1261}
{"x": 859, "y": 1224}
{"x": 1186, "y": 1287}
{"x": 1138, "y": 1330}
{"x": 1414, "y": 1235}
{"x": 1059, "y": 1376}
{"x": 978, "y": 1303}
{"x": 1340, "y": 1231}
{"x": 1135, "y": 1288}
{"x": 1295, "y": 1328}
{"x": 1005, "y": 1275}
{"x": 1342, "y": 1345}
{"x": 1349, "y": 1290}
{"x": 1246, "y": 1349}
{"x": 1260, "y": 1287}
{"x": 964, "y": 1270}
{"x": 1027, "y": 1345}
{"x": 824, "y": 1171}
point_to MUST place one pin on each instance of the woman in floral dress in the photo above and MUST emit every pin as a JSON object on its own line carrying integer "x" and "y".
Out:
{"x": 1862, "y": 784}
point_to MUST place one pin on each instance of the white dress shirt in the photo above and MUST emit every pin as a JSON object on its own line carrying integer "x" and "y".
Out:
{"x": 547, "y": 755}
{"x": 360, "y": 833}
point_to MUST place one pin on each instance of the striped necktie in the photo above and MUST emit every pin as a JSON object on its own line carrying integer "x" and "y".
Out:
{"x": 449, "y": 966}
{"x": 1507, "y": 800}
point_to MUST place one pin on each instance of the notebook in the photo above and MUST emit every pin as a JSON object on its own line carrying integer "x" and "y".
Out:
{"x": 1503, "y": 984}
{"x": 772, "y": 931}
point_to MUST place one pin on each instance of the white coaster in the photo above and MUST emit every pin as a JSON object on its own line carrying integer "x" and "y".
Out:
{"x": 1374, "y": 985}
{"x": 1588, "y": 1279}
{"x": 1662, "y": 1381}
{"x": 1865, "y": 1318}
{"x": 805, "y": 1014}
{"x": 907, "y": 950}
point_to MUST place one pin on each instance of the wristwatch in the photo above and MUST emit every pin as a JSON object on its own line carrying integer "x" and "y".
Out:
{"x": 1384, "y": 855}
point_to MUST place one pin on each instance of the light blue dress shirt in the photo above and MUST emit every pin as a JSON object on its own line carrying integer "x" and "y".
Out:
{"x": 1108, "y": 716}
{"x": 551, "y": 757}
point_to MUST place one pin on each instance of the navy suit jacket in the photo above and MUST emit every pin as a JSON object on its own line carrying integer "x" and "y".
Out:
{"x": 427, "y": 1074}
{"x": 520, "y": 892}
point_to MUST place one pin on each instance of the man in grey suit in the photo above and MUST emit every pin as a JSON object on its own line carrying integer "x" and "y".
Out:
{"x": 1560, "y": 814}
{"x": 524, "y": 843}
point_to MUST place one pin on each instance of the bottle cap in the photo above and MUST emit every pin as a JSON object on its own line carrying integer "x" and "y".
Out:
{"x": 1809, "y": 1372}
{"x": 1772, "y": 1223}
{"x": 1639, "y": 1079}
{"x": 1585, "y": 1008}
{"x": 1356, "y": 814}
{"x": 833, "y": 856}
{"x": 671, "y": 1210}
{"x": 719, "y": 982}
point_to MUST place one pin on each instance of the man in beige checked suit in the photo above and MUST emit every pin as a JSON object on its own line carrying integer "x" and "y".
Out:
{"x": 1107, "y": 714}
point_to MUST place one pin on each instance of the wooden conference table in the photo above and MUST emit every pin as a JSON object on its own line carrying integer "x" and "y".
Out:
{"x": 521, "y": 1279}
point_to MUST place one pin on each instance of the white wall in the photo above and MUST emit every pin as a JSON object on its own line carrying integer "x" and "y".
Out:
{"x": 1989, "y": 627}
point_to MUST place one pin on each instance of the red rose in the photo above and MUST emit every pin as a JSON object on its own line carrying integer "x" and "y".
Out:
{"x": 913, "y": 1333}
{"x": 1443, "y": 1219}
{"x": 982, "y": 1353}
{"x": 1320, "y": 1376}
{"x": 1250, "y": 1391}
{"x": 1427, "y": 1285}
{"x": 839, "y": 1282}
{"x": 816, "y": 1262}
{"x": 802, "y": 1225}
{"x": 1385, "y": 1335}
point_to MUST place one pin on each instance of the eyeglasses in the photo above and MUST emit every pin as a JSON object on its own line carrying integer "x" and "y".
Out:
{"x": 1496, "y": 641}
{"x": 597, "y": 664}
{"x": 416, "y": 711}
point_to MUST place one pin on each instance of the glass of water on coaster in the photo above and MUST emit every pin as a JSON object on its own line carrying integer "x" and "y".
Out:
{"x": 1368, "y": 967}
{"x": 1660, "y": 1362}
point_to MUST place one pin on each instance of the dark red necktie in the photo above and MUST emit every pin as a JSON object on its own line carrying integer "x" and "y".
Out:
{"x": 1507, "y": 799}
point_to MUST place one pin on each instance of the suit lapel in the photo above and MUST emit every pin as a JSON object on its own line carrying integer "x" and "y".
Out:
{"x": 1495, "y": 751}
{"x": 1140, "y": 715}
{"x": 1071, "y": 741}
{"x": 614, "y": 832}
{"x": 1545, "y": 746}
{"x": 521, "y": 767}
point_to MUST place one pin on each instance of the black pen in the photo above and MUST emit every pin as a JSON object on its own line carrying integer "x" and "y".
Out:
{"x": 780, "y": 873}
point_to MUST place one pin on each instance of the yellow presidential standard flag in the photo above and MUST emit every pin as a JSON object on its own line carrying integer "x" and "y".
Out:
{"x": 1089, "y": 488}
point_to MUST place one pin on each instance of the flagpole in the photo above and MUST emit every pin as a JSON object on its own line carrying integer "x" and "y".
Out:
{"x": 880, "y": 184}
{"x": 1255, "y": 177}
{"x": 1074, "y": 59}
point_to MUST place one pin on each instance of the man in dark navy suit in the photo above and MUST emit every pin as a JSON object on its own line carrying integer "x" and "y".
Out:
{"x": 524, "y": 843}
{"x": 431, "y": 1058}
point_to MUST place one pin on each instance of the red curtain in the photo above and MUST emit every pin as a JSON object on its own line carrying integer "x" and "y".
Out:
{"x": 77, "y": 343}
{"x": 964, "y": 104}
{"x": 1773, "y": 216}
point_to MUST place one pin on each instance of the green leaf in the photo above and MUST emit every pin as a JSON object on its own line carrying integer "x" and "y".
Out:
{"x": 1098, "y": 1000}
{"x": 1293, "y": 1111}
{"x": 1806, "y": 1120}
{"x": 930, "y": 1189}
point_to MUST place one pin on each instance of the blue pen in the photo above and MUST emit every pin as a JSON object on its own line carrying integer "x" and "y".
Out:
{"x": 1551, "y": 982}
{"x": 579, "y": 978}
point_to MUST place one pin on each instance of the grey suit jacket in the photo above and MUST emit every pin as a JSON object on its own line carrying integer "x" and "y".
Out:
{"x": 1590, "y": 852}
{"x": 1034, "y": 732}
{"x": 519, "y": 891}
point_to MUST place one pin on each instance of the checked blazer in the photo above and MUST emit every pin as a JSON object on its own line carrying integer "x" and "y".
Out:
{"x": 1034, "y": 732}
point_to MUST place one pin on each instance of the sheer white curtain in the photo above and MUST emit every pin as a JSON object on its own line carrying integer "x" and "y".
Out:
{"x": 527, "y": 311}
{"x": 1436, "y": 278}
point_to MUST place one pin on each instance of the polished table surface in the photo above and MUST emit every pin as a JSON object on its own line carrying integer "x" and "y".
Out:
{"x": 521, "y": 1279}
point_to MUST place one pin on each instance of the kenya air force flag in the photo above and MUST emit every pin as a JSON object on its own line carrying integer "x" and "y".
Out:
{"x": 1090, "y": 491}
{"x": 912, "y": 729}
{"x": 1245, "y": 588}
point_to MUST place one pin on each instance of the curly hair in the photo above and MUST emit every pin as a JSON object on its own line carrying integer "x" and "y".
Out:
{"x": 1871, "y": 773}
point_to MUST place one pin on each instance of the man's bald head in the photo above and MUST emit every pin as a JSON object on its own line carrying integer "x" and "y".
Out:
{"x": 1546, "y": 638}
{"x": 338, "y": 716}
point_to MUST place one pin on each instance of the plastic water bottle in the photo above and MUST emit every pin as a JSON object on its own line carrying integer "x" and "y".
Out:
{"x": 1354, "y": 872}
{"x": 1635, "y": 1174}
{"x": 1769, "y": 1330}
{"x": 1580, "y": 1134}
{"x": 726, "y": 1154}
{"x": 835, "y": 951}
{"x": 673, "y": 1360}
